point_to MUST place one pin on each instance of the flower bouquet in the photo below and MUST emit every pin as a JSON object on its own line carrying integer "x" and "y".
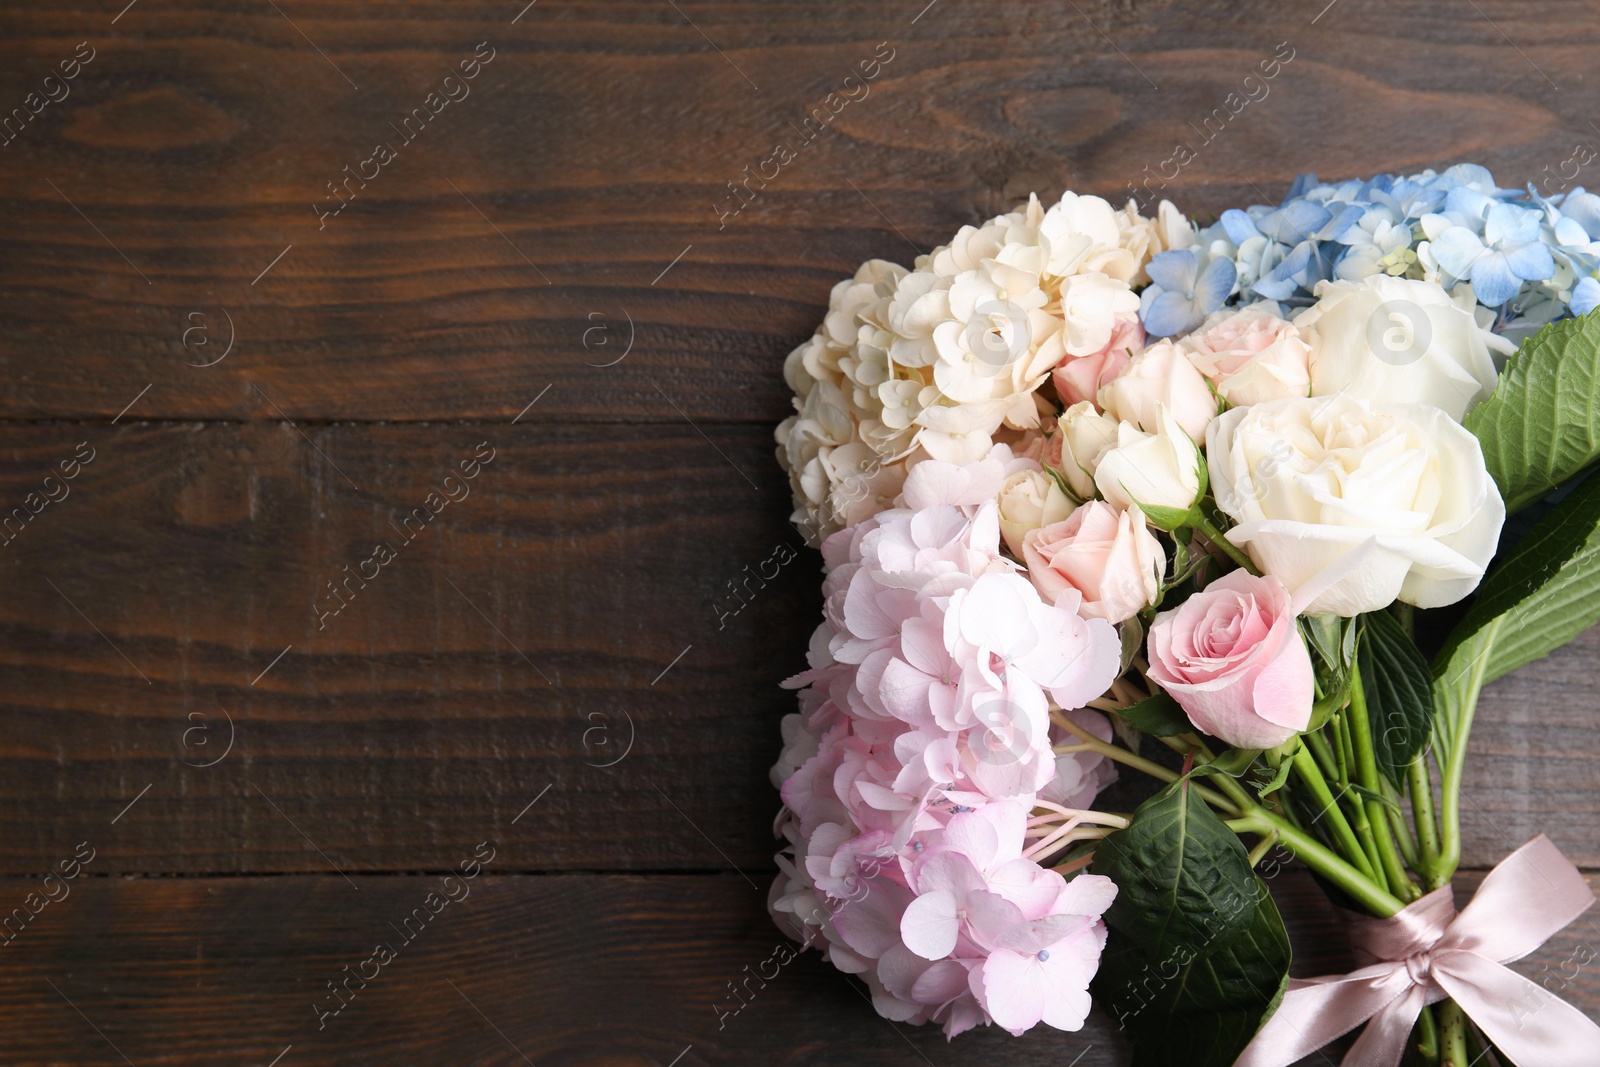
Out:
{"x": 1225, "y": 509}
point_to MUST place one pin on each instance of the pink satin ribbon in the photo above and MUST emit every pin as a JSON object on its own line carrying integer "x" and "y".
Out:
{"x": 1428, "y": 953}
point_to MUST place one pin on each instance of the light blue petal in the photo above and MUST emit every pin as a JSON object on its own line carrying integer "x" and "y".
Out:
{"x": 1214, "y": 285}
{"x": 1470, "y": 204}
{"x": 1238, "y": 226}
{"x": 1506, "y": 224}
{"x": 1336, "y": 227}
{"x": 1584, "y": 209}
{"x": 1570, "y": 232}
{"x": 1173, "y": 270}
{"x": 1274, "y": 288}
{"x": 1169, "y": 314}
{"x": 1295, "y": 221}
{"x": 1456, "y": 249}
{"x": 1530, "y": 262}
{"x": 1303, "y": 184}
{"x": 1492, "y": 281}
{"x": 1585, "y": 296}
{"x": 1470, "y": 174}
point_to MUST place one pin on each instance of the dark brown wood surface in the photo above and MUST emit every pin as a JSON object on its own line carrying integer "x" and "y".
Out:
{"x": 542, "y": 272}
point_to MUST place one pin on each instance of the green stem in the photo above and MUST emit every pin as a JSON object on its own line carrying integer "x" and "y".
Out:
{"x": 1455, "y": 765}
{"x": 1427, "y": 1035}
{"x": 1452, "y": 1035}
{"x": 1320, "y": 748}
{"x": 1421, "y": 789}
{"x": 1262, "y": 848}
{"x": 1367, "y": 766}
{"x": 1314, "y": 854}
{"x": 1341, "y": 737}
{"x": 1218, "y": 538}
{"x": 1090, "y": 743}
{"x": 1328, "y": 808}
{"x": 1399, "y": 827}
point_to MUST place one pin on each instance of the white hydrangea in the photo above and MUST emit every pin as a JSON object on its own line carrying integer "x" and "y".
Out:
{"x": 946, "y": 360}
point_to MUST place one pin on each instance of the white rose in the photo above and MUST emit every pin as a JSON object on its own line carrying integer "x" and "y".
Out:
{"x": 1030, "y": 499}
{"x": 1396, "y": 340}
{"x": 1308, "y": 481}
{"x": 1160, "y": 377}
{"x": 1086, "y": 435}
{"x": 1160, "y": 470}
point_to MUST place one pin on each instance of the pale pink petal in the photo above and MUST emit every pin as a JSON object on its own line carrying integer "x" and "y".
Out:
{"x": 871, "y": 924}
{"x": 1011, "y": 990}
{"x": 939, "y": 983}
{"x": 929, "y": 926}
{"x": 1086, "y": 894}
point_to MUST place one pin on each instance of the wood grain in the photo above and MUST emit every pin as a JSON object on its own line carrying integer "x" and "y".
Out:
{"x": 536, "y": 218}
{"x": 543, "y": 270}
{"x": 563, "y": 970}
{"x": 578, "y": 598}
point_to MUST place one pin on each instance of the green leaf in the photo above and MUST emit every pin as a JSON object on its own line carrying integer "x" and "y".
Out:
{"x": 1158, "y": 715}
{"x": 1542, "y": 594}
{"x": 1132, "y": 634}
{"x": 1328, "y": 637}
{"x": 1185, "y": 1010}
{"x": 1546, "y": 589}
{"x": 1541, "y": 425}
{"x": 1399, "y": 691}
{"x": 1180, "y": 874}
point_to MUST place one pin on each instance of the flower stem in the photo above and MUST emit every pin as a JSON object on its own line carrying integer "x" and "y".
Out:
{"x": 1367, "y": 767}
{"x": 1328, "y": 807}
{"x": 1454, "y": 765}
{"x": 1218, "y": 538}
{"x": 1427, "y": 1038}
{"x": 1421, "y": 788}
{"x": 1453, "y": 1035}
{"x": 1090, "y": 743}
{"x": 1326, "y": 862}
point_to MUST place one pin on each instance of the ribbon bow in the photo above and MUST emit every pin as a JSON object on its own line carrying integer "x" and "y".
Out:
{"x": 1428, "y": 953}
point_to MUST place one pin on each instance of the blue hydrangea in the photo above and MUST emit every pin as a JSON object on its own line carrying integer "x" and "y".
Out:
{"x": 1526, "y": 259}
{"x": 1185, "y": 286}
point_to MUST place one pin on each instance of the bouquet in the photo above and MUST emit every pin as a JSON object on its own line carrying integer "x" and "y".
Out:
{"x": 1249, "y": 512}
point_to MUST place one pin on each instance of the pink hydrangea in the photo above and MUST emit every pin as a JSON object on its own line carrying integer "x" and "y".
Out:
{"x": 923, "y": 744}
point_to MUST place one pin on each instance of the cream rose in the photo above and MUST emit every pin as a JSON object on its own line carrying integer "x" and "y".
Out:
{"x": 1108, "y": 556}
{"x": 1161, "y": 376}
{"x": 1085, "y": 436}
{"x": 1396, "y": 340}
{"x": 1030, "y": 499}
{"x": 1159, "y": 470}
{"x": 1251, "y": 355}
{"x": 1380, "y": 501}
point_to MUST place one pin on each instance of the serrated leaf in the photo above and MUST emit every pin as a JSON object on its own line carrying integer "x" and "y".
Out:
{"x": 1157, "y": 715}
{"x": 1183, "y": 1011}
{"x": 1180, "y": 873}
{"x": 1399, "y": 689}
{"x": 1542, "y": 594}
{"x": 1547, "y": 588}
{"x": 1541, "y": 425}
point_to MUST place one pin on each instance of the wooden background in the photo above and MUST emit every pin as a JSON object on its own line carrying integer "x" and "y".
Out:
{"x": 542, "y": 273}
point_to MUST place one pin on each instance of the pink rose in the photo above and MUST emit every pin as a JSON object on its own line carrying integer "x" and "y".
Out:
{"x": 1079, "y": 378}
{"x": 1161, "y": 376}
{"x": 1251, "y": 355}
{"x": 1232, "y": 657}
{"x": 1108, "y": 556}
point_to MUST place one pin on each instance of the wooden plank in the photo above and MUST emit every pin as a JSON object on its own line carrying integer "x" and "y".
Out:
{"x": 548, "y": 970}
{"x": 411, "y": 719}
{"x": 155, "y": 206}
